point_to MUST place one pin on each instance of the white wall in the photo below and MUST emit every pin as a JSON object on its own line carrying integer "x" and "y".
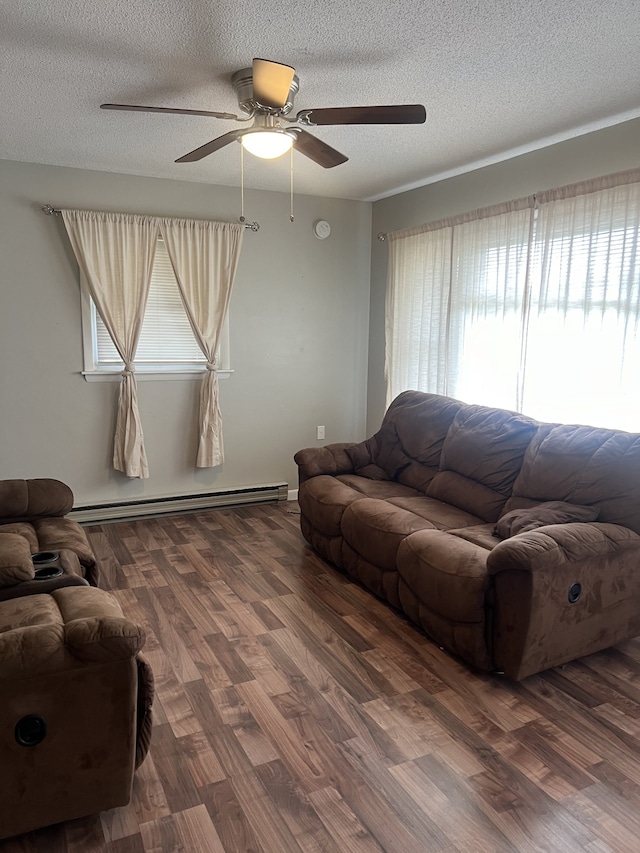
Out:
{"x": 299, "y": 338}
{"x": 589, "y": 156}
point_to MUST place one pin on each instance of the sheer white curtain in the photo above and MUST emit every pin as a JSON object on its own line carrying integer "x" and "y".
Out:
{"x": 115, "y": 254}
{"x": 456, "y": 305}
{"x": 418, "y": 292}
{"x": 583, "y": 347}
{"x": 537, "y": 308}
{"x": 204, "y": 256}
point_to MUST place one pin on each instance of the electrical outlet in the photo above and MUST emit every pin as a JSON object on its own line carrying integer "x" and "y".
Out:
{"x": 319, "y": 433}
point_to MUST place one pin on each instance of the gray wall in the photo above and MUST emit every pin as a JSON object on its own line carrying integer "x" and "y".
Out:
{"x": 592, "y": 155}
{"x": 298, "y": 329}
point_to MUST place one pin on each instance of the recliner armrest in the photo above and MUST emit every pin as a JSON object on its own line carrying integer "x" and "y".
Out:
{"x": 94, "y": 640}
{"x": 561, "y": 592}
{"x": 560, "y": 544}
{"x": 16, "y": 565}
{"x": 69, "y": 627}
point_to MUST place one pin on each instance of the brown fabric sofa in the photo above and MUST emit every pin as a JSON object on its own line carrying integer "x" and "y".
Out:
{"x": 514, "y": 544}
{"x": 75, "y": 715}
{"x": 32, "y": 522}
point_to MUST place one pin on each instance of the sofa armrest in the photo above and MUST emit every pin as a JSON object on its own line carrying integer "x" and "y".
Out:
{"x": 561, "y": 592}
{"x": 331, "y": 459}
{"x": 559, "y": 544}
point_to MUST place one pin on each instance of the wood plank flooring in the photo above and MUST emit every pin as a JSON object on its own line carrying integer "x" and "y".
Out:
{"x": 295, "y": 712}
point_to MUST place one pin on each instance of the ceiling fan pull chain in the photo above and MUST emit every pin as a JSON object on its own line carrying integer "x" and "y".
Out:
{"x": 291, "y": 173}
{"x": 241, "y": 183}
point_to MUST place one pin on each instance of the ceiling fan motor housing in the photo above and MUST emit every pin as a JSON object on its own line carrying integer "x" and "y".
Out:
{"x": 242, "y": 82}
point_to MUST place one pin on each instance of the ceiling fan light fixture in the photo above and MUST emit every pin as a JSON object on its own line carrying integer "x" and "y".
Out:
{"x": 268, "y": 144}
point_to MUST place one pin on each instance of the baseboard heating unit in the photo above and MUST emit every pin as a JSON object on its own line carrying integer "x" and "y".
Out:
{"x": 118, "y": 510}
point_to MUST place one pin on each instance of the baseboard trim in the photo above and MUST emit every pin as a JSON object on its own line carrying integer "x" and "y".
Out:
{"x": 120, "y": 510}
{"x": 292, "y": 495}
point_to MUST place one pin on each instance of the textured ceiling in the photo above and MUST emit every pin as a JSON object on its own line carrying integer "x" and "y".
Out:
{"x": 497, "y": 77}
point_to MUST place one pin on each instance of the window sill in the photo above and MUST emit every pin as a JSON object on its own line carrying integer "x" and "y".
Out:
{"x": 151, "y": 375}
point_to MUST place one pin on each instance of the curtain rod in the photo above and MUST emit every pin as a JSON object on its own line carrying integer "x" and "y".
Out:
{"x": 53, "y": 211}
{"x": 617, "y": 179}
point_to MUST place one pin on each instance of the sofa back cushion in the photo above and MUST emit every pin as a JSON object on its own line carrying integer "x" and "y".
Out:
{"x": 419, "y": 423}
{"x": 481, "y": 458}
{"x": 583, "y": 465}
{"x": 38, "y": 498}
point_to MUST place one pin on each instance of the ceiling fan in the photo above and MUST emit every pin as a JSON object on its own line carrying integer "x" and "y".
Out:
{"x": 265, "y": 93}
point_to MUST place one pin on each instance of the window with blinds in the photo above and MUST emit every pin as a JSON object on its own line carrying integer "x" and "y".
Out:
{"x": 538, "y": 313}
{"x": 166, "y": 336}
{"x": 167, "y": 342}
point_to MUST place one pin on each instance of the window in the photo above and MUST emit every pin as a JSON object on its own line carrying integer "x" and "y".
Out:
{"x": 532, "y": 307}
{"x": 167, "y": 346}
{"x": 583, "y": 336}
{"x": 455, "y": 308}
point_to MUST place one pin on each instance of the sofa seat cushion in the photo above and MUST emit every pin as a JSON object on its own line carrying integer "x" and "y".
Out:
{"x": 481, "y": 457}
{"x": 381, "y": 489}
{"x": 480, "y": 534}
{"x": 441, "y": 515}
{"x": 375, "y": 528}
{"x": 447, "y": 574}
{"x": 323, "y": 500}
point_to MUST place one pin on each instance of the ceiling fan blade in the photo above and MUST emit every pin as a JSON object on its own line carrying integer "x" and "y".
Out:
{"x": 317, "y": 150}
{"x": 397, "y": 114}
{"x": 271, "y": 82}
{"x": 210, "y": 147}
{"x": 133, "y": 108}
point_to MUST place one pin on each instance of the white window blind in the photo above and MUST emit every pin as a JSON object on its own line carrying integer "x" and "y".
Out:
{"x": 166, "y": 337}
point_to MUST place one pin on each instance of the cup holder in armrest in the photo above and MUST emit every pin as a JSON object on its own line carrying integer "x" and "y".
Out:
{"x": 47, "y": 565}
{"x": 41, "y": 558}
{"x": 48, "y": 572}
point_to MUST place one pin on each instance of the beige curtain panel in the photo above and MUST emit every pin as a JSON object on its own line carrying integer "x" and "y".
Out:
{"x": 115, "y": 254}
{"x": 204, "y": 256}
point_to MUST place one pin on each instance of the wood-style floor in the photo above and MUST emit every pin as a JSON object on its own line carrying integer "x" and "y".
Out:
{"x": 295, "y": 712}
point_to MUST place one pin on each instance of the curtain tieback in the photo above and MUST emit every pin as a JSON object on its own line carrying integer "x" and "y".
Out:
{"x": 129, "y": 369}
{"x": 211, "y": 365}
